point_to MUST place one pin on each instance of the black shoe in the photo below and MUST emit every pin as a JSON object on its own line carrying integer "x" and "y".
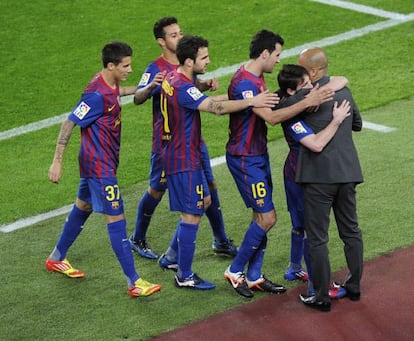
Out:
{"x": 263, "y": 284}
{"x": 238, "y": 282}
{"x": 226, "y": 248}
{"x": 143, "y": 248}
{"x": 311, "y": 301}
{"x": 353, "y": 296}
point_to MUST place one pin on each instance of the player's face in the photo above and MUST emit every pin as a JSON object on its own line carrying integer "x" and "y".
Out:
{"x": 273, "y": 59}
{"x": 173, "y": 34}
{"x": 202, "y": 61}
{"x": 123, "y": 69}
{"x": 305, "y": 83}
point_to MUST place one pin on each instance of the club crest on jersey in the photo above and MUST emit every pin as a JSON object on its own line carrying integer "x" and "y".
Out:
{"x": 200, "y": 204}
{"x": 260, "y": 202}
{"x": 195, "y": 93}
{"x": 298, "y": 128}
{"x": 247, "y": 94}
{"x": 81, "y": 110}
{"x": 144, "y": 79}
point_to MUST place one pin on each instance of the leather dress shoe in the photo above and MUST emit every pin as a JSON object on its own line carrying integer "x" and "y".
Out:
{"x": 353, "y": 296}
{"x": 311, "y": 301}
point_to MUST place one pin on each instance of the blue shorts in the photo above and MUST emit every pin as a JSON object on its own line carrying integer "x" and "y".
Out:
{"x": 253, "y": 178}
{"x": 103, "y": 194}
{"x": 294, "y": 200}
{"x": 187, "y": 191}
{"x": 205, "y": 163}
{"x": 157, "y": 178}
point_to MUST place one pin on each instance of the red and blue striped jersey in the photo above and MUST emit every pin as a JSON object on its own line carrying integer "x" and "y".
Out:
{"x": 180, "y": 99}
{"x": 158, "y": 65}
{"x": 294, "y": 130}
{"x": 247, "y": 131}
{"x": 98, "y": 113}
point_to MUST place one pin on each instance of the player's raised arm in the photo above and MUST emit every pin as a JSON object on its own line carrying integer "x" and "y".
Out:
{"x": 261, "y": 100}
{"x": 142, "y": 94}
{"x": 317, "y": 142}
{"x": 315, "y": 98}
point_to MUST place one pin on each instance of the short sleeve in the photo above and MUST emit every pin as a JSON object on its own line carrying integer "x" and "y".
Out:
{"x": 88, "y": 109}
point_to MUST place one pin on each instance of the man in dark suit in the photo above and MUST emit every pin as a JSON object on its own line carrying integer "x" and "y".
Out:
{"x": 329, "y": 179}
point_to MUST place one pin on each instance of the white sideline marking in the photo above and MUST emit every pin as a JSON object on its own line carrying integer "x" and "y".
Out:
{"x": 377, "y": 127}
{"x": 18, "y": 224}
{"x": 362, "y": 9}
{"x": 396, "y": 19}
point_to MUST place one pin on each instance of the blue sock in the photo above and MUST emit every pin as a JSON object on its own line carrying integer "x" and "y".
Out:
{"x": 146, "y": 208}
{"x": 172, "y": 251}
{"x": 307, "y": 259}
{"x": 296, "y": 249}
{"x": 71, "y": 230}
{"x": 187, "y": 234}
{"x": 254, "y": 270}
{"x": 215, "y": 217}
{"x": 120, "y": 244}
{"x": 250, "y": 244}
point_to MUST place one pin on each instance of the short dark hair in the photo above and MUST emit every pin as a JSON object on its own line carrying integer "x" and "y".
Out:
{"x": 264, "y": 40}
{"x": 114, "y": 52}
{"x": 188, "y": 47}
{"x": 290, "y": 76}
{"x": 158, "y": 29}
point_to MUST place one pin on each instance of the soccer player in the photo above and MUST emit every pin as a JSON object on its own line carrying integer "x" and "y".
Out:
{"x": 167, "y": 32}
{"x": 293, "y": 78}
{"x": 248, "y": 160}
{"x": 181, "y": 103}
{"x": 98, "y": 113}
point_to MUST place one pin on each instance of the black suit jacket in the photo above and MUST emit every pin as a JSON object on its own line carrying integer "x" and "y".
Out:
{"x": 338, "y": 162}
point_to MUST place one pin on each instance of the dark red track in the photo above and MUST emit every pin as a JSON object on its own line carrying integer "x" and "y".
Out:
{"x": 385, "y": 311}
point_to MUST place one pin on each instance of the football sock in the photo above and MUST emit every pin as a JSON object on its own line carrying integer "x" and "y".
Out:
{"x": 311, "y": 289}
{"x": 122, "y": 249}
{"x": 215, "y": 217}
{"x": 171, "y": 253}
{"x": 254, "y": 269}
{"x": 296, "y": 249}
{"x": 146, "y": 208}
{"x": 307, "y": 258}
{"x": 187, "y": 234}
{"x": 71, "y": 230}
{"x": 249, "y": 246}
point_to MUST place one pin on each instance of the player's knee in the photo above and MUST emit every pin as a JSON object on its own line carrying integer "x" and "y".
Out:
{"x": 83, "y": 205}
{"x": 155, "y": 194}
{"x": 207, "y": 202}
{"x": 268, "y": 220}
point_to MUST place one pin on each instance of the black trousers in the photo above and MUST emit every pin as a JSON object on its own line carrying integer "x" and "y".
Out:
{"x": 319, "y": 199}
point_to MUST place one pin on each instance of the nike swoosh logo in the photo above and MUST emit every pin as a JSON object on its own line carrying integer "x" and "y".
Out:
{"x": 111, "y": 108}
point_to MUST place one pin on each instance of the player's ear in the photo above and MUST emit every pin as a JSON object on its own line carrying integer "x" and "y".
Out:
{"x": 265, "y": 54}
{"x": 110, "y": 66}
{"x": 290, "y": 91}
{"x": 189, "y": 62}
{"x": 161, "y": 42}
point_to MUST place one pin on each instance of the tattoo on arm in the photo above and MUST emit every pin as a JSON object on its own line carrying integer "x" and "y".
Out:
{"x": 220, "y": 107}
{"x": 63, "y": 139}
{"x": 65, "y": 133}
{"x": 215, "y": 107}
{"x": 211, "y": 105}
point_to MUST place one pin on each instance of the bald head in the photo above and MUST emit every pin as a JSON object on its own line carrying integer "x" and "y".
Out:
{"x": 315, "y": 61}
